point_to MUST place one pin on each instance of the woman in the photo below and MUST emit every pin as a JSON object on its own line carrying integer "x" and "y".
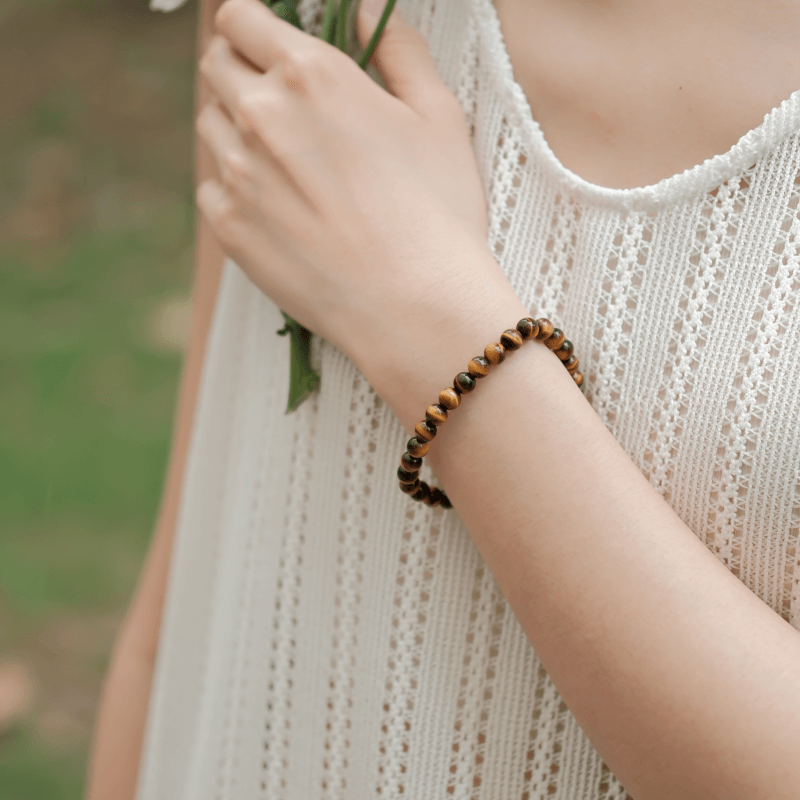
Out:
{"x": 614, "y": 600}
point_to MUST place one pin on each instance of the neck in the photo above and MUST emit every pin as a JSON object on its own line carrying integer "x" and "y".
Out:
{"x": 632, "y": 91}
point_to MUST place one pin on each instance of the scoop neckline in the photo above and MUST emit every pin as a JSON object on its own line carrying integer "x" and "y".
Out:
{"x": 778, "y": 124}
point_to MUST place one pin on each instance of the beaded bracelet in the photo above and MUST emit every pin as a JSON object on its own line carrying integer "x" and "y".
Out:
{"x": 464, "y": 383}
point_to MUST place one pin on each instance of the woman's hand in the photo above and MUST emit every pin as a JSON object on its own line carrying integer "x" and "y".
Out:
{"x": 358, "y": 211}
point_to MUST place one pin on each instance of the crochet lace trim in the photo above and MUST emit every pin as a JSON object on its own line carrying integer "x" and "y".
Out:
{"x": 778, "y": 124}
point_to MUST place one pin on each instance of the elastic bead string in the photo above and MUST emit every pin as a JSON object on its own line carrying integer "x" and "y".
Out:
{"x": 464, "y": 383}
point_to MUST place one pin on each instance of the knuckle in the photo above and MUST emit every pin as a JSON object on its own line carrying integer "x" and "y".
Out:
{"x": 210, "y": 55}
{"x": 217, "y": 206}
{"x": 252, "y": 108}
{"x": 224, "y": 217}
{"x": 301, "y": 69}
{"x": 204, "y": 65}
{"x": 225, "y": 13}
{"x": 235, "y": 169}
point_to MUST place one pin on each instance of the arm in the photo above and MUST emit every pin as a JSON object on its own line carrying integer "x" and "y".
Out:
{"x": 687, "y": 684}
{"x": 122, "y": 713}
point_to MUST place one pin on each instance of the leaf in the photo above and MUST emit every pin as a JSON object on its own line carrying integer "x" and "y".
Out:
{"x": 303, "y": 380}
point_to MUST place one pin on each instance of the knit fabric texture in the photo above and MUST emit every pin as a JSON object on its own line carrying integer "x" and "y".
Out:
{"x": 327, "y": 638}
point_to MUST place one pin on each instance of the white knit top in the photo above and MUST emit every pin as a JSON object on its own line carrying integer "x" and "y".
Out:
{"x": 324, "y": 636}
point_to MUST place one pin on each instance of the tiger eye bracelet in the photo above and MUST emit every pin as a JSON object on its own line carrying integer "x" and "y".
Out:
{"x": 464, "y": 383}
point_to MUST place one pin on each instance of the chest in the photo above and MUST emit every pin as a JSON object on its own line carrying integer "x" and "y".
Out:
{"x": 628, "y": 94}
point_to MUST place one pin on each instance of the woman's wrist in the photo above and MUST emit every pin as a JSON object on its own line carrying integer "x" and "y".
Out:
{"x": 426, "y": 348}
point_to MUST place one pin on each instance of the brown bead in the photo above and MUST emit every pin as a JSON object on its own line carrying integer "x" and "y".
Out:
{"x": 404, "y": 476}
{"x": 494, "y": 353}
{"x": 446, "y": 501}
{"x": 571, "y": 363}
{"x": 545, "y": 328}
{"x": 556, "y": 339}
{"x": 478, "y": 367}
{"x": 432, "y": 499}
{"x": 409, "y": 463}
{"x": 528, "y": 328}
{"x": 417, "y": 448}
{"x": 449, "y": 398}
{"x": 577, "y": 377}
{"x": 511, "y": 339}
{"x": 437, "y": 497}
{"x": 565, "y": 351}
{"x": 425, "y": 431}
{"x": 464, "y": 382}
{"x": 436, "y": 415}
{"x": 409, "y": 488}
{"x": 422, "y": 492}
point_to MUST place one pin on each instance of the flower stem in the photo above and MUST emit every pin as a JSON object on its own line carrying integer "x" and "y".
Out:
{"x": 367, "y": 54}
{"x": 303, "y": 380}
{"x": 341, "y": 25}
{"x": 327, "y": 21}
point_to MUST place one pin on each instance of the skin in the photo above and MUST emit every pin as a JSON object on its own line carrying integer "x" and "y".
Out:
{"x": 628, "y": 92}
{"x": 707, "y": 703}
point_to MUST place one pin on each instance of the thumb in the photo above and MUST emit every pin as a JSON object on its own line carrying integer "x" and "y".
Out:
{"x": 402, "y": 58}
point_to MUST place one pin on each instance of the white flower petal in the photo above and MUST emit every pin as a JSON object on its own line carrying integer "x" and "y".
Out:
{"x": 165, "y": 5}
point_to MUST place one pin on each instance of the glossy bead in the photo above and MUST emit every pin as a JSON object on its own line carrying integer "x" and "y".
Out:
{"x": 436, "y": 415}
{"x": 571, "y": 363}
{"x": 494, "y": 353}
{"x": 449, "y": 398}
{"x": 437, "y": 497}
{"x": 556, "y": 339}
{"x": 565, "y": 351}
{"x": 511, "y": 339}
{"x": 425, "y": 431}
{"x": 577, "y": 377}
{"x": 409, "y": 488}
{"x": 479, "y": 367}
{"x": 528, "y": 328}
{"x": 417, "y": 448}
{"x": 446, "y": 501}
{"x": 464, "y": 382}
{"x": 422, "y": 492}
{"x": 545, "y": 328}
{"x": 404, "y": 476}
{"x": 433, "y": 499}
{"x": 409, "y": 463}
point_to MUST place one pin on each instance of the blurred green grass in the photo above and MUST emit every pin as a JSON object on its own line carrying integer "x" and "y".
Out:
{"x": 96, "y": 230}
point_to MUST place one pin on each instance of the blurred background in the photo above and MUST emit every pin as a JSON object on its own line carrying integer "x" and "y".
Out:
{"x": 96, "y": 257}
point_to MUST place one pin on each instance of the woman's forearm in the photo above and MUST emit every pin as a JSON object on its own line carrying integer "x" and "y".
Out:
{"x": 119, "y": 729}
{"x": 121, "y": 718}
{"x": 686, "y": 683}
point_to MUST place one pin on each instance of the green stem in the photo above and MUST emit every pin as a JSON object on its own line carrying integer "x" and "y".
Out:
{"x": 332, "y": 35}
{"x": 341, "y": 25}
{"x": 327, "y": 21}
{"x": 367, "y": 54}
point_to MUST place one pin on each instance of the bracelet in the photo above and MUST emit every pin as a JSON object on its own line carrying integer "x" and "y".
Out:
{"x": 464, "y": 383}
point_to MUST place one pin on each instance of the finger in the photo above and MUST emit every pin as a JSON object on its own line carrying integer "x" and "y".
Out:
{"x": 403, "y": 59}
{"x": 234, "y": 164}
{"x": 222, "y": 214}
{"x": 229, "y": 77}
{"x": 263, "y": 190}
{"x": 259, "y": 34}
